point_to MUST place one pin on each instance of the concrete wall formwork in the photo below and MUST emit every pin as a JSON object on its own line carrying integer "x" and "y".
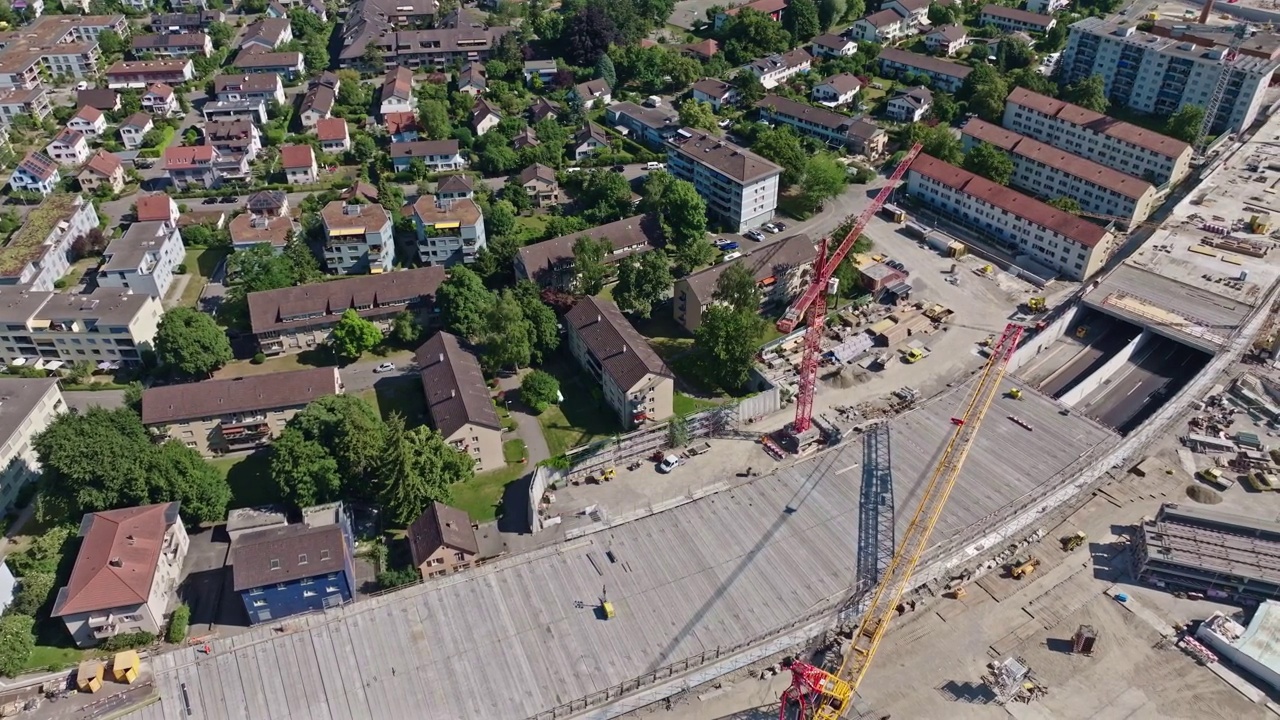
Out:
{"x": 1063, "y": 317}
{"x": 1096, "y": 378}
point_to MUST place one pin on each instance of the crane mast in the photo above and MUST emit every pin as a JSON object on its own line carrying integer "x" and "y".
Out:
{"x": 822, "y": 695}
{"x": 812, "y": 303}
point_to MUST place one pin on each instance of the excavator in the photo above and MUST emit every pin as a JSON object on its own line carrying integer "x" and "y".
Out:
{"x": 819, "y": 694}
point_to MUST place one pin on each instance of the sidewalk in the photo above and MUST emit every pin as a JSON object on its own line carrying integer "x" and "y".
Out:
{"x": 527, "y": 427}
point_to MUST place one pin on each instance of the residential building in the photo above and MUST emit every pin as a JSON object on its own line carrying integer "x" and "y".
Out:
{"x": 946, "y": 40}
{"x": 37, "y": 172}
{"x": 402, "y": 127}
{"x": 886, "y": 27}
{"x": 910, "y": 105}
{"x": 588, "y": 140}
{"x": 428, "y": 49}
{"x": 449, "y": 231}
{"x": 858, "y": 135}
{"x": 715, "y": 92}
{"x": 1047, "y": 7}
{"x": 333, "y": 135}
{"x": 917, "y": 11}
{"x": 740, "y": 188}
{"x": 30, "y": 405}
{"x": 143, "y": 260}
{"x": 943, "y": 75}
{"x": 103, "y": 99}
{"x": 159, "y": 99}
{"x": 186, "y": 22}
{"x": 550, "y": 263}
{"x": 187, "y": 166}
{"x": 289, "y": 65}
{"x": 839, "y": 89}
{"x": 266, "y": 222}
{"x": 1158, "y": 75}
{"x": 458, "y": 400}
{"x": 300, "y": 318}
{"x": 38, "y": 253}
{"x": 774, "y": 70}
{"x": 1050, "y": 173}
{"x": 252, "y": 110}
{"x": 442, "y": 541}
{"x": 1061, "y": 242}
{"x": 527, "y": 137}
{"x": 636, "y": 385}
{"x": 301, "y": 567}
{"x": 267, "y": 33}
{"x": 104, "y": 169}
{"x": 238, "y": 142}
{"x": 214, "y": 417}
{"x": 134, "y": 129}
{"x": 144, "y": 73}
{"x": 357, "y": 239}
{"x": 68, "y": 147}
{"x": 437, "y": 155}
{"x": 267, "y": 88}
{"x": 832, "y": 46}
{"x": 17, "y": 101}
{"x": 89, "y": 121}
{"x": 174, "y": 45}
{"x": 781, "y": 270}
{"x": 772, "y": 8}
{"x": 591, "y": 92}
{"x": 1158, "y": 159}
{"x": 397, "y": 92}
{"x": 126, "y": 573}
{"x": 539, "y": 182}
{"x": 58, "y": 45}
{"x": 299, "y": 164}
{"x": 484, "y": 116}
{"x": 104, "y": 326}
{"x": 455, "y": 187}
{"x": 318, "y": 103}
{"x": 542, "y": 108}
{"x": 367, "y": 20}
{"x": 544, "y": 70}
{"x": 701, "y": 51}
{"x": 471, "y": 79}
{"x": 648, "y": 126}
{"x": 1012, "y": 19}
{"x": 157, "y": 207}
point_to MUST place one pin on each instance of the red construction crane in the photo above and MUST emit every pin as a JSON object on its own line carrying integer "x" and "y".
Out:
{"x": 814, "y": 298}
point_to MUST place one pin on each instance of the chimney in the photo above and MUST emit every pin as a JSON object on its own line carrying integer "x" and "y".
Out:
{"x": 116, "y": 563}
{"x": 453, "y": 392}
{"x": 441, "y": 357}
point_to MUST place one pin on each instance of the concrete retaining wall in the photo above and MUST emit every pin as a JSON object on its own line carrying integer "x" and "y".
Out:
{"x": 1096, "y": 378}
{"x": 1057, "y": 327}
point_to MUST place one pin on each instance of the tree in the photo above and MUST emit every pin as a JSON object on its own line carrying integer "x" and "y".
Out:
{"x": 1055, "y": 39}
{"x": 829, "y": 11}
{"x": 643, "y": 281}
{"x": 945, "y": 109}
{"x": 1185, "y": 123}
{"x": 353, "y": 336}
{"x": 1066, "y": 204}
{"x": 737, "y": 288}
{"x": 588, "y": 262}
{"x": 405, "y": 329}
{"x": 606, "y": 71}
{"x": 985, "y": 90}
{"x": 940, "y": 15}
{"x": 111, "y": 44}
{"x": 179, "y": 473}
{"x": 697, "y": 114}
{"x": 418, "y": 467}
{"x": 749, "y": 88}
{"x": 464, "y": 303}
{"x": 178, "y": 623}
{"x": 500, "y": 218}
{"x": 783, "y": 146}
{"x": 506, "y": 340}
{"x": 220, "y": 34}
{"x": 351, "y": 432}
{"x": 801, "y": 20}
{"x": 1032, "y": 79}
{"x": 938, "y": 141}
{"x": 544, "y": 328}
{"x": 587, "y": 34}
{"x": 990, "y": 162}
{"x": 433, "y": 116}
{"x": 17, "y": 638}
{"x": 33, "y": 593}
{"x": 678, "y": 434}
{"x": 751, "y": 34}
{"x": 726, "y": 343}
{"x": 606, "y": 195}
{"x": 539, "y": 390}
{"x": 682, "y": 213}
{"x": 189, "y": 343}
{"x": 824, "y": 178}
{"x": 1088, "y": 93}
{"x": 305, "y": 473}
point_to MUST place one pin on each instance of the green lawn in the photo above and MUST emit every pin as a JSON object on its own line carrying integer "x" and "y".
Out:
{"x": 581, "y": 418}
{"x": 249, "y": 477}
{"x": 200, "y": 262}
{"x": 533, "y": 226}
{"x": 682, "y": 404}
{"x": 667, "y": 338}
{"x": 513, "y": 451}
{"x": 401, "y": 395}
{"x": 481, "y": 496}
{"x": 54, "y": 658}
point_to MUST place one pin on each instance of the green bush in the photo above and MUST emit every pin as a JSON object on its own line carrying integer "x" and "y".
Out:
{"x": 127, "y": 641}
{"x": 388, "y": 579}
{"x": 178, "y": 623}
{"x": 181, "y": 269}
{"x": 258, "y": 359}
{"x": 60, "y": 283}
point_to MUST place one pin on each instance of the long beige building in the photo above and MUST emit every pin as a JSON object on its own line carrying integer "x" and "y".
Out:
{"x": 458, "y": 400}
{"x": 637, "y": 386}
{"x": 30, "y": 405}
{"x": 105, "y": 326}
{"x": 219, "y": 416}
{"x": 780, "y": 270}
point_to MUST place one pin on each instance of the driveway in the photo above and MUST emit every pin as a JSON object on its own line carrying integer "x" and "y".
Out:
{"x": 206, "y": 585}
{"x": 528, "y": 428}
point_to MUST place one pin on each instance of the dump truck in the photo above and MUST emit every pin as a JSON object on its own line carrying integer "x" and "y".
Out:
{"x": 1071, "y": 542}
{"x": 1264, "y": 481}
{"x": 1213, "y": 476}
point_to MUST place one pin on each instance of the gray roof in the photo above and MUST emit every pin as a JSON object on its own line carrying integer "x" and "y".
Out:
{"x": 211, "y": 398}
{"x": 656, "y": 118}
{"x": 623, "y": 353}
{"x": 441, "y": 526}
{"x": 423, "y": 148}
{"x": 454, "y": 386}
{"x": 128, "y": 251}
{"x": 18, "y": 398}
{"x": 456, "y": 183}
{"x": 834, "y": 121}
{"x": 636, "y": 231}
{"x": 538, "y": 171}
{"x": 924, "y": 63}
{"x": 763, "y": 262}
{"x": 302, "y": 306}
{"x": 843, "y": 82}
{"x": 105, "y": 306}
{"x": 722, "y": 156}
{"x": 794, "y": 58}
{"x": 295, "y": 549}
{"x": 713, "y": 87}
{"x": 916, "y": 96}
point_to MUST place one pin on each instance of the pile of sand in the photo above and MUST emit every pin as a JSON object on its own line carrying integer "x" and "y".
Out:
{"x": 1204, "y": 495}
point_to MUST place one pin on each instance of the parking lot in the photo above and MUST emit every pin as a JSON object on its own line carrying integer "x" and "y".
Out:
{"x": 206, "y": 585}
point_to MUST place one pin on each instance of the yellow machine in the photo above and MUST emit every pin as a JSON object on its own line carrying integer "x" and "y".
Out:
{"x": 609, "y": 474}
{"x": 606, "y": 607}
{"x": 1214, "y": 477}
{"x": 1071, "y": 542}
{"x": 1082, "y": 331}
{"x": 913, "y": 355}
{"x": 1264, "y": 481}
{"x": 1019, "y": 569}
{"x": 1036, "y": 304}
{"x": 1015, "y": 393}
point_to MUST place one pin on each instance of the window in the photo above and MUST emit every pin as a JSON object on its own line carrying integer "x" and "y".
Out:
{"x": 259, "y": 603}
{"x": 281, "y": 586}
{"x": 460, "y": 557}
{"x": 306, "y": 581}
{"x": 275, "y": 564}
{"x": 331, "y": 589}
{"x": 308, "y": 593}
{"x": 302, "y": 558}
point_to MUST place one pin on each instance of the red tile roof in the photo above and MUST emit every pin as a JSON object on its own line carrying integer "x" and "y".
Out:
{"x": 160, "y": 90}
{"x": 1011, "y": 201}
{"x": 90, "y": 113}
{"x": 153, "y": 208}
{"x": 104, "y": 163}
{"x": 331, "y": 129}
{"x": 181, "y": 157}
{"x": 296, "y": 157}
{"x": 117, "y": 559}
{"x": 398, "y": 122}
{"x": 1162, "y": 145}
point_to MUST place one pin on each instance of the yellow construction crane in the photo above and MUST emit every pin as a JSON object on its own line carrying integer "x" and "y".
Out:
{"x": 818, "y": 694}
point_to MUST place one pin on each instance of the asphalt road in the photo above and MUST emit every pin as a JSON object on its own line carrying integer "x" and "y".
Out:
{"x": 1162, "y": 368}
{"x": 1106, "y": 337}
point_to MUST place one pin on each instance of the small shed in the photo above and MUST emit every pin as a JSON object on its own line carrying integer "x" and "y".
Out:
{"x": 1248, "y": 440}
{"x": 125, "y": 666}
{"x": 89, "y": 676}
{"x": 878, "y": 276}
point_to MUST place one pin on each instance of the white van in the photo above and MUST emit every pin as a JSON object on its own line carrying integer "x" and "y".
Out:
{"x": 654, "y": 166}
{"x": 731, "y": 256}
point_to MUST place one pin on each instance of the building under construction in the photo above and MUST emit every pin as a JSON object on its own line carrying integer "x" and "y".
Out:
{"x": 1222, "y": 555}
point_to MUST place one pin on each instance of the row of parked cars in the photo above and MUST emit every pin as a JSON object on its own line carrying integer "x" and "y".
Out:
{"x": 771, "y": 228}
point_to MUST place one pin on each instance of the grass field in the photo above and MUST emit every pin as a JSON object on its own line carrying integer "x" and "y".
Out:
{"x": 682, "y": 404}
{"x": 581, "y": 418}
{"x": 251, "y": 483}
{"x": 481, "y": 496}
{"x": 513, "y": 451}
{"x": 55, "y": 658}
{"x": 401, "y": 395}
{"x": 200, "y": 262}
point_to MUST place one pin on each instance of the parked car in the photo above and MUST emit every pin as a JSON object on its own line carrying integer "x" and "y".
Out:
{"x": 619, "y": 168}
{"x": 385, "y": 367}
{"x": 755, "y": 235}
{"x": 780, "y": 225}
{"x": 727, "y": 245}
{"x": 654, "y": 166}
{"x": 731, "y": 256}
{"x": 770, "y": 228}
{"x": 669, "y": 463}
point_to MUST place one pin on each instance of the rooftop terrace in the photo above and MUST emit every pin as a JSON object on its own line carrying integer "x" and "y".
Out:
{"x": 27, "y": 244}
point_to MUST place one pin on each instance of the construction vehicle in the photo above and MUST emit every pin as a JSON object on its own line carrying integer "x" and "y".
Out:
{"x": 1014, "y": 394}
{"x": 1071, "y": 542}
{"x": 1021, "y": 568}
{"x": 811, "y": 306}
{"x": 1264, "y": 481}
{"x": 912, "y": 355}
{"x": 1036, "y": 305}
{"x": 815, "y": 693}
{"x": 1082, "y": 331}
{"x": 1213, "y": 476}
{"x": 606, "y": 607}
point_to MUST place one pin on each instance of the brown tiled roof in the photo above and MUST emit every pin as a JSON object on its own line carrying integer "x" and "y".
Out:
{"x": 131, "y": 67}
{"x": 794, "y": 58}
{"x": 592, "y": 89}
{"x": 271, "y": 310}
{"x": 252, "y": 553}
{"x": 951, "y": 33}
{"x": 138, "y": 120}
{"x": 100, "y": 98}
{"x": 926, "y": 63}
{"x": 296, "y": 156}
{"x": 713, "y": 87}
{"x": 638, "y": 230}
{"x": 268, "y": 29}
{"x": 184, "y": 157}
{"x": 764, "y": 6}
{"x": 252, "y": 58}
{"x": 1162, "y": 145}
{"x": 623, "y": 353}
{"x": 143, "y": 43}
{"x": 831, "y": 42}
{"x": 1021, "y": 16}
{"x": 250, "y": 228}
{"x": 160, "y": 90}
{"x": 763, "y": 262}
{"x": 117, "y": 560}
{"x": 1011, "y": 201}
{"x": 738, "y": 163}
{"x": 462, "y": 210}
{"x": 441, "y": 526}
{"x": 423, "y": 148}
{"x": 884, "y": 17}
{"x": 251, "y": 82}
{"x": 1087, "y": 170}
{"x": 454, "y": 386}
{"x": 103, "y": 163}
{"x": 456, "y": 183}
{"x": 330, "y": 129}
{"x": 707, "y": 48}
{"x": 166, "y": 404}
{"x": 367, "y": 217}
{"x": 398, "y": 84}
{"x": 153, "y": 208}
{"x": 538, "y": 171}
{"x": 88, "y": 112}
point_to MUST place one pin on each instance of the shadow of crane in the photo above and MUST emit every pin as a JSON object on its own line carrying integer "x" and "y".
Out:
{"x": 876, "y": 539}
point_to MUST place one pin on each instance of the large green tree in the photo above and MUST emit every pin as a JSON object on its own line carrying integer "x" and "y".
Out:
{"x": 990, "y": 162}
{"x": 1088, "y": 93}
{"x": 643, "y": 281}
{"x": 539, "y": 390}
{"x": 350, "y": 430}
{"x": 783, "y": 146}
{"x": 937, "y": 141}
{"x": 464, "y": 303}
{"x": 418, "y": 467}
{"x": 801, "y": 20}
{"x": 188, "y": 342}
{"x": 829, "y": 11}
{"x": 506, "y": 340}
{"x": 544, "y": 328}
{"x": 17, "y": 637}
{"x": 751, "y": 34}
{"x": 682, "y": 213}
{"x": 1185, "y": 123}
{"x": 304, "y": 471}
{"x": 353, "y": 336}
{"x": 824, "y": 178}
{"x": 588, "y": 263}
{"x": 33, "y": 592}
{"x": 737, "y": 288}
{"x": 726, "y": 343}
{"x": 606, "y": 195}
{"x": 697, "y": 114}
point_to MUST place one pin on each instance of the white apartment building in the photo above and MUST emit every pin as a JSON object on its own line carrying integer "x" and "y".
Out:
{"x": 634, "y": 382}
{"x": 739, "y": 187}
{"x": 1047, "y": 7}
{"x": 39, "y": 252}
{"x": 1158, "y": 159}
{"x": 839, "y": 89}
{"x": 885, "y": 27}
{"x": 777, "y": 69}
{"x": 106, "y": 325}
{"x": 357, "y": 239}
{"x": 144, "y": 259}
{"x": 1050, "y": 173}
{"x": 30, "y": 404}
{"x": 1073, "y": 247}
{"x": 1015, "y": 20}
{"x": 450, "y": 231}
{"x": 1159, "y": 75}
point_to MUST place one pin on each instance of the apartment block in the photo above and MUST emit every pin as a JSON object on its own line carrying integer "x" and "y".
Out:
{"x": 1158, "y": 159}
{"x": 450, "y": 231}
{"x": 862, "y": 137}
{"x": 1159, "y": 75}
{"x": 774, "y": 70}
{"x": 358, "y": 238}
{"x": 943, "y": 75}
{"x": 258, "y": 86}
{"x": 105, "y": 326}
{"x": 635, "y": 384}
{"x": 646, "y": 125}
{"x": 430, "y": 49}
{"x": 458, "y": 400}
{"x": 144, "y": 259}
{"x": 57, "y": 44}
{"x": 220, "y": 416}
{"x": 142, "y": 73}
{"x": 885, "y": 27}
{"x": 437, "y": 155}
{"x": 780, "y": 269}
{"x": 1014, "y": 20}
{"x": 1071, "y": 246}
{"x": 550, "y": 263}
{"x": 1049, "y": 173}
{"x": 23, "y": 101}
{"x": 740, "y": 187}
{"x": 30, "y": 405}
{"x": 39, "y": 252}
